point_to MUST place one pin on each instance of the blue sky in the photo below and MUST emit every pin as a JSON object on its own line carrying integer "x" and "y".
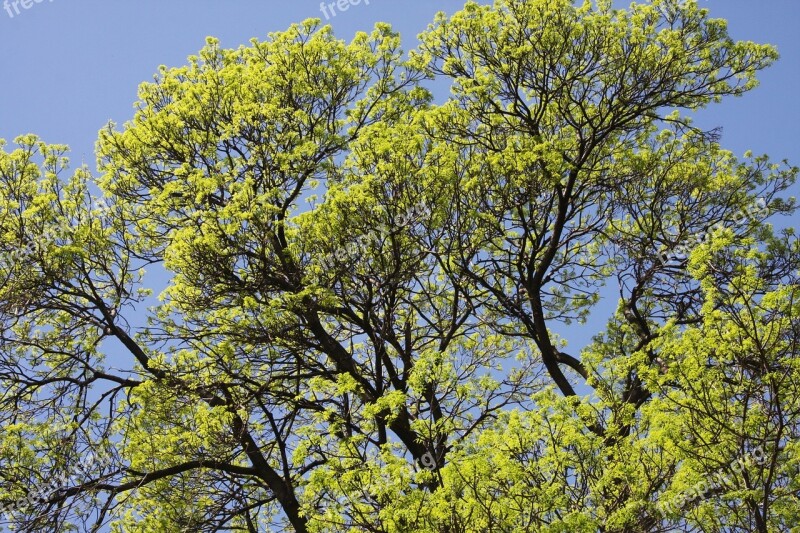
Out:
{"x": 69, "y": 66}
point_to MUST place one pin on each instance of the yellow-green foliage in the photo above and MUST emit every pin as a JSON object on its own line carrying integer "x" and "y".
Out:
{"x": 364, "y": 323}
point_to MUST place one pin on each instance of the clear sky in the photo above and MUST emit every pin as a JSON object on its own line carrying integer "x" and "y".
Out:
{"x": 69, "y": 66}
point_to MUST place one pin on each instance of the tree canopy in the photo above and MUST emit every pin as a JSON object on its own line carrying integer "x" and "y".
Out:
{"x": 370, "y": 291}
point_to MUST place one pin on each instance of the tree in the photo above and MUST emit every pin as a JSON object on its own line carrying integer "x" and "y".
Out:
{"x": 388, "y": 358}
